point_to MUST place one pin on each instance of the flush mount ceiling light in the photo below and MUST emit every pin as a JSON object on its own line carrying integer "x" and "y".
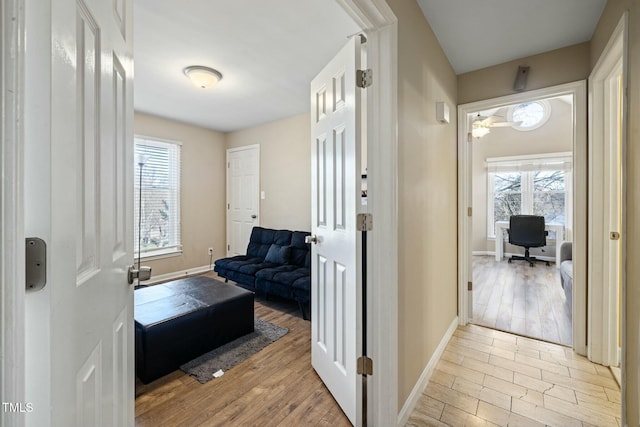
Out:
{"x": 203, "y": 77}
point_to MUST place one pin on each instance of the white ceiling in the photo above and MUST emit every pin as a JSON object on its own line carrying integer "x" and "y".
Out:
{"x": 268, "y": 51}
{"x": 476, "y": 34}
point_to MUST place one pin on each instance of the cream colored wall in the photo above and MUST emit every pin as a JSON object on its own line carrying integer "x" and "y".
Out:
{"x": 203, "y": 191}
{"x": 285, "y": 170}
{"x": 427, "y": 196}
{"x": 553, "y": 137}
{"x": 559, "y": 66}
{"x": 631, "y": 236}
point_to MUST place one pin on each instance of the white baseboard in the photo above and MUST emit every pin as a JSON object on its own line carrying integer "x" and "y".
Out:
{"x": 508, "y": 254}
{"x": 416, "y": 393}
{"x": 481, "y": 253}
{"x": 176, "y": 275}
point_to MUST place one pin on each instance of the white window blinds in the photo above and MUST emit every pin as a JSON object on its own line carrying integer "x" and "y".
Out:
{"x": 157, "y": 197}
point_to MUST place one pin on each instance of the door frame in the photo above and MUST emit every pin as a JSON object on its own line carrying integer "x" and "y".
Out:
{"x": 377, "y": 21}
{"x": 235, "y": 150}
{"x": 603, "y": 319}
{"x": 380, "y": 24}
{"x": 12, "y": 247}
{"x": 578, "y": 90}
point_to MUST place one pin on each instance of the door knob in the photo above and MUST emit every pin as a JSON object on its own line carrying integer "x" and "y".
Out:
{"x": 143, "y": 274}
{"x": 311, "y": 239}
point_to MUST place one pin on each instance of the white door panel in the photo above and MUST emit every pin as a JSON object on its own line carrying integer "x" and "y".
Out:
{"x": 91, "y": 322}
{"x": 243, "y": 188}
{"x": 335, "y": 278}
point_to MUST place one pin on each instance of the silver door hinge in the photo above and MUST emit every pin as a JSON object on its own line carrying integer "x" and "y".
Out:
{"x": 469, "y": 211}
{"x": 365, "y": 366}
{"x": 469, "y": 286}
{"x": 469, "y": 137}
{"x": 364, "y": 222}
{"x": 364, "y": 78}
{"x": 228, "y": 247}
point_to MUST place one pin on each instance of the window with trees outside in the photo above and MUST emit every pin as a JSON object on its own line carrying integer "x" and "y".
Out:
{"x": 156, "y": 197}
{"x": 529, "y": 185}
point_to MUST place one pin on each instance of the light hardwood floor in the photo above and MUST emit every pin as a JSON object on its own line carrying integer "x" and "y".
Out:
{"x": 275, "y": 387}
{"x": 487, "y": 377}
{"x": 524, "y": 300}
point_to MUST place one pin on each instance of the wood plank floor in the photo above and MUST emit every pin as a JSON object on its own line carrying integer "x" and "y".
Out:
{"x": 524, "y": 300}
{"x": 487, "y": 378}
{"x": 275, "y": 387}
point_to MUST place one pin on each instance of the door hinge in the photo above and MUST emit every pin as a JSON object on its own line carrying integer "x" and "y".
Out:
{"x": 228, "y": 247}
{"x": 228, "y": 206}
{"x": 469, "y": 211}
{"x": 364, "y": 222}
{"x": 469, "y": 286}
{"x": 469, "y": 137}
{"x": 365, "y": 365}
{"x": 228, "y": 165}
{"x": 364, "y": 78}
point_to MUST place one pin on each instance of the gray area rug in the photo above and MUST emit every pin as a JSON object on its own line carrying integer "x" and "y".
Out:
{"x": 230, "y": 354}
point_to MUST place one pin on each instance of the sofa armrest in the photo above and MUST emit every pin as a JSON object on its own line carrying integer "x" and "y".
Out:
{"x": 565, "y": 251}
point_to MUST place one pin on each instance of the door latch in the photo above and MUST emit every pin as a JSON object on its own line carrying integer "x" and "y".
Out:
{"x": 35, "y": 263}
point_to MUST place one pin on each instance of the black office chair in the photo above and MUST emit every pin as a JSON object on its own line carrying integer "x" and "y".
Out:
{"x": 527, "y": 231}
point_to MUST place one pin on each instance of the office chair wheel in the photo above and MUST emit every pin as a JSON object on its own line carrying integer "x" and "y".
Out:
{"x": 509, "y": 260}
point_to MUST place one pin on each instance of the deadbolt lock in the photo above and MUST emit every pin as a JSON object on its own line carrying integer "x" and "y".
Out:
{"x": 614, "y": 235}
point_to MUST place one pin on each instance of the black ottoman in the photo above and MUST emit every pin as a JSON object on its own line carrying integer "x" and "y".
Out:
{"x": 178, "y": 321}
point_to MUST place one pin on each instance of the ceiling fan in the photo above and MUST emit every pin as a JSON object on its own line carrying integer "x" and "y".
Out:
{"x": 481, "y": 125}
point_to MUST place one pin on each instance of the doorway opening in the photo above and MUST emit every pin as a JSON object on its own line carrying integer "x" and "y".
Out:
{"x": 522, "y": 165}
{"x": 524, "y": 154}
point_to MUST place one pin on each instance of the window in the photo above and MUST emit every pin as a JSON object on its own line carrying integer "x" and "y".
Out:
{"x": 157, "y": 182}
{"x": 529, "y": 185}
{"x": 529, "y": 115}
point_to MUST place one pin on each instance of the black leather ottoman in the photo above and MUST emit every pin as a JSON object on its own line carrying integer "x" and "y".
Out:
{"x": 178, "y": 321}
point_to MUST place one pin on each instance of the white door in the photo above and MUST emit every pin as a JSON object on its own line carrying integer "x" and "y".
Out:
{"x": 91, "y": 243}
{"x": 335, "y": 267}
{"x": 613, "y": 209}
{"x": 243, "y": 197}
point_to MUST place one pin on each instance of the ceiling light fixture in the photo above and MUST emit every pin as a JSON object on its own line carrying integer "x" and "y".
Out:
{"x": 480, "y": 127}
{"x": 203, "y": 77}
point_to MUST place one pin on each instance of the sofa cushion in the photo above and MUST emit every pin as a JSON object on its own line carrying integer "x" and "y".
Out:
{"x": 278, "y": 254}
{"x": 299, "y": 249}
{"x": 262, "y": 238}
{"x": 236, "y": 262}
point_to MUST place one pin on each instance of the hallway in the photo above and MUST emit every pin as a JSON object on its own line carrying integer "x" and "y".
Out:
{"x": 487, "y": 377}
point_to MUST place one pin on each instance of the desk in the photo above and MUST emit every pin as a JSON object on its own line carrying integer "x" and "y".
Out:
{"x": 504, "y": 225}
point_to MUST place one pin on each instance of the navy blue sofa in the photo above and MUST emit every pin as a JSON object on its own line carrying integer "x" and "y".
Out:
{"x": 278, "y": 262}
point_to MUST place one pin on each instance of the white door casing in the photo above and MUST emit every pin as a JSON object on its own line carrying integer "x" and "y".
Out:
{"x": 607, "y": 86}
{"x": 243, "y": 197}
{"x": 336, "y": 327}
{"x": 89, "y": 327}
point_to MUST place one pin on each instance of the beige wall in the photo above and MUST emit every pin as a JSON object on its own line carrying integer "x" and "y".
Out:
{"x": 553, "y": 137}
{"x": 552, "y": 68}
{"x": 203, "y": 191}
{"x": 427, "y": 196}
{"x": 285, "y": 170}
{"x": 608, "y": 21}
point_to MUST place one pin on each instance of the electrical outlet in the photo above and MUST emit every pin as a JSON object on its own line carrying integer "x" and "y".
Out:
{"x": 210, "y": 251}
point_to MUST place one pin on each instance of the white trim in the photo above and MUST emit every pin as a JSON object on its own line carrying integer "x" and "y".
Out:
{"x": 423, "y": 381}
{"x": 178, "y": 275}
{"x": 578, "y": 91}
{"x": 12, "y": 264}
{"x": 603, "y": 311}
{"x": 380, "y": 24}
